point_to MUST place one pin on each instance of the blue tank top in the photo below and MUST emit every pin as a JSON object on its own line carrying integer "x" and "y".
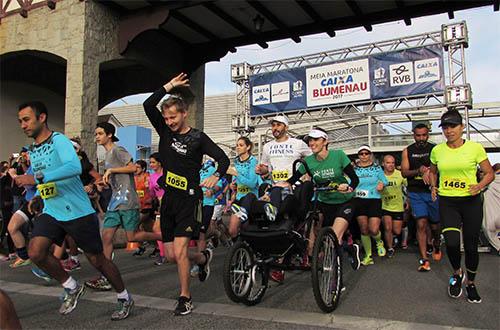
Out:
{"x": 247, "y": 180}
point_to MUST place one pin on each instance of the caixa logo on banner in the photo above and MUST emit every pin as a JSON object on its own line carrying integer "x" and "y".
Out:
{"x": 427, "y": 70}
{"x": 261, "y": 95}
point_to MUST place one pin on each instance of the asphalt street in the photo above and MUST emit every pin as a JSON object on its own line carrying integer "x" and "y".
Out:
{"x": 390, "y": 294}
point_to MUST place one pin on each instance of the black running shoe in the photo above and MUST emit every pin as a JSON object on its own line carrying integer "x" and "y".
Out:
{"x": 184, "y": 306}
{"x": 353, "y": 251}
{"x": 472, "y": 295}
{"x": 204, "y": 272}
{"x": 455, "y": 286}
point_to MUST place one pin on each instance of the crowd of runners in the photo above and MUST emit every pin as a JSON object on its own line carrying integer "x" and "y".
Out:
{"x": 56, "y": 205}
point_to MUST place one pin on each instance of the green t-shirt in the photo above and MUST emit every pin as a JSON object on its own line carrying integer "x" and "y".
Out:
{"x": 392, "y": 195}
{"x": 330, "y": 170}
{"x": 457, "y": 167}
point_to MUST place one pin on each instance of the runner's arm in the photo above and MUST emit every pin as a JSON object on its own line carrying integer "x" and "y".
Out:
{"x": 153, "y": 113}
{"x": 213, "y": 150}
{"x": 405, "y": 166}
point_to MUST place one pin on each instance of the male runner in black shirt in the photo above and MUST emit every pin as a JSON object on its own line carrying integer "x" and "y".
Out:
{"x": 181, "y": 151}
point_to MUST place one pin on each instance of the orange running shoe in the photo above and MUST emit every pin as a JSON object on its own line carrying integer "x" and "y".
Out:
{"x": 437, "y": 254}
{"x": 424, "y": 265}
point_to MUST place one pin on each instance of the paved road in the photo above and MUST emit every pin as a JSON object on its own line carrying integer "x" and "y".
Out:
{"x": 390, "y": 294}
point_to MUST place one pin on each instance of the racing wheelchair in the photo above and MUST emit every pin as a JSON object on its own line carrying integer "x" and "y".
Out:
{"x": 264, "y": 246}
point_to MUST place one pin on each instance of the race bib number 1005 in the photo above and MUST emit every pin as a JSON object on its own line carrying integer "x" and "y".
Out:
{"x": 176, "y": 181}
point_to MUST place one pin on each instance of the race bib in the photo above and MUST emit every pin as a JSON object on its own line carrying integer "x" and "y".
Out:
{"x": 453, "y": 183}
{"x": 140, "y": 193}
{"x": 47, "y": 190}
{"x": 176, "y": 181}
{"x": 361, "y": 193}
{"x": 243, "y": 190}
{"x": 280, "y": 175}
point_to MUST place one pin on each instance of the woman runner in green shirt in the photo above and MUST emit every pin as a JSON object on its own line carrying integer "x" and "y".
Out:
{"x": 460, "y": 204}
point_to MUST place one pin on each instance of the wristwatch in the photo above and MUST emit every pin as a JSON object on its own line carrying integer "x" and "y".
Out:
{"x": 217, "y": 174}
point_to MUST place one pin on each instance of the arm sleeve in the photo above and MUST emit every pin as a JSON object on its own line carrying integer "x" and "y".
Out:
{"x": 214, "y": 151}
{"x": 351, "y": 174}
{"x": 297, "y": 175}
{"x": 154, "y": 115}
{"x": 252, "y": 178}
{"x": 71, "y": 165}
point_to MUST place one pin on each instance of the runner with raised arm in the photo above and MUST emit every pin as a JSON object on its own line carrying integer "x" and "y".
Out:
{"x": 181, "y": 150}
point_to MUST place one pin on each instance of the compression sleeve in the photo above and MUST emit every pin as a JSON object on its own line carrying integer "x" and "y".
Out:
{"x": 67, "y": 154}
{"x": 297, "y": 175}
{"x": 213, "y": 150}
{"x": 154, "y": 115}
{"x": 349, "y": 170}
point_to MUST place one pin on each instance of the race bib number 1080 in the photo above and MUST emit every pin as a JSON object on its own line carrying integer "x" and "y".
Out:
{"x": 176, "y": 181}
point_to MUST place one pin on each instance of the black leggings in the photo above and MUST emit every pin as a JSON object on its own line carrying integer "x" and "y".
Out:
{"x": 465, "y": 213}
{"x": 6, "y": 215}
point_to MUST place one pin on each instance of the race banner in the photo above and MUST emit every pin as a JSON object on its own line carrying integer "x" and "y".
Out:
{"x": 407, "y": 72}
{"x": 278, "y": 91}
{"x": 338, "y": 83}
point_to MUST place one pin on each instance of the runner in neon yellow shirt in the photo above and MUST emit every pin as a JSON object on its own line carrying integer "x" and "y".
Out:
{"x": 460, "y": 204}
{"x": 392, "y": 202}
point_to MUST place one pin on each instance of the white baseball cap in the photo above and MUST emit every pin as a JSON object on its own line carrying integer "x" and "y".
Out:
{"x": 316, "y": 134}
{"x": 364, "y": 147}
{"x": 280, "y": 119}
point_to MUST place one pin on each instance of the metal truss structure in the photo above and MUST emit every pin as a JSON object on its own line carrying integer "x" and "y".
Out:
{"x": 361, "y": 122}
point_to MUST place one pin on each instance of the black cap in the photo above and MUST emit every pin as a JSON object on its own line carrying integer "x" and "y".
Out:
{"x": 451, "y": 117}
{"x": 109, "y": 129}
{"x": 23, "y": 149}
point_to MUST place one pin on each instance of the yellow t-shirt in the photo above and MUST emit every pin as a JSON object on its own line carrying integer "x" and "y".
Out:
{"x": 392, "y": 195}
{"x": 457, "y": 167}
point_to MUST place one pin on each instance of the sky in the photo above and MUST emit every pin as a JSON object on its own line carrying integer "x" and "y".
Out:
{"x": 482, "y": 56}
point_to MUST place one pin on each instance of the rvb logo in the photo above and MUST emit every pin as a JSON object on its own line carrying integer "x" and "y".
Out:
{"x": 401, "y": 74}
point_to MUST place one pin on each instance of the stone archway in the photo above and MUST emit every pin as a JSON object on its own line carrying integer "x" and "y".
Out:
{"x": 24, "y": 76}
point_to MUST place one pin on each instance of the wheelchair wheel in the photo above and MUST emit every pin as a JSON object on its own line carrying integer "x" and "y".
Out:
{"x": 237, "y": 272}
{"x": 326, "y": 270}
{"x": 260, "y": 278}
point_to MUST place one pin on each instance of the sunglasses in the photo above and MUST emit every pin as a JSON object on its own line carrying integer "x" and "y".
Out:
{"x": 364, "y": 153}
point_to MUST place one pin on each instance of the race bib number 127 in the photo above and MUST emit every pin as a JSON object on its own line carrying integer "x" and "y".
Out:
{"x": 47, "y": 190}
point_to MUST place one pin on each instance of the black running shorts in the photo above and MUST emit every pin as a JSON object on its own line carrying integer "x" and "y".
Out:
{"x": 180, "y": 216}
{"x": 332, "y": 211}
{"x": 84, "y": 230}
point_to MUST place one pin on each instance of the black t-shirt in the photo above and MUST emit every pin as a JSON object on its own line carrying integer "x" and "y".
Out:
{"x": 418, "y": 156}
{"x": 181, "y": 154}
